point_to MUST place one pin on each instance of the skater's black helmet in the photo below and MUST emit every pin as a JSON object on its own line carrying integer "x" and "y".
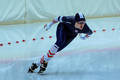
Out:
{"x": 79, "y": 17}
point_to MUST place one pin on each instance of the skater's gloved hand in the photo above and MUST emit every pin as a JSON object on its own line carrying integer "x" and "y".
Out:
{"x": 83, "y": 37}
{"x": 48, "y": 26}
{"x": 55, "y": 20}
{"x": 87, "y": 36}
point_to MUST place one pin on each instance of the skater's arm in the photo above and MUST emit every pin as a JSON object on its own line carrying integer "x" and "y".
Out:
{"x": 49, "y": 25}
{"x": 87, "y": 33}
{"x": 65, "y": 18}
{"x": 59, "y": 19}
{"x": 55, "y": 20}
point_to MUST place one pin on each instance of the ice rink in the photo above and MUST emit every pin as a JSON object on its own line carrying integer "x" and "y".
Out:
{"x": 96, "y": 58}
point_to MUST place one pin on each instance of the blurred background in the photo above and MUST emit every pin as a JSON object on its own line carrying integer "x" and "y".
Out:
{"x": 23, "y": 40}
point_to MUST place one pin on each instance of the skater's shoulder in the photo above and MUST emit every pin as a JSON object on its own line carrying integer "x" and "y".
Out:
{"x": 68, "y": 18}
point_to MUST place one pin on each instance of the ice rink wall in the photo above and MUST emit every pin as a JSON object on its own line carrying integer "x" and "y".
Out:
{"x": 27, "y": 11}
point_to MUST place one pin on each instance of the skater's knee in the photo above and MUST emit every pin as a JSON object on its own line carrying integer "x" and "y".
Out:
{"x": 60, "y": 47}
{"x": 54, "y": 48}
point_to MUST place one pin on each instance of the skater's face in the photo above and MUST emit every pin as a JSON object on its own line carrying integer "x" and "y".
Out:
{"x": 80, "y": 25}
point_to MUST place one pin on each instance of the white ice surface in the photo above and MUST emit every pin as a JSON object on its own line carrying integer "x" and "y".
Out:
{"x": 96, "y": 58}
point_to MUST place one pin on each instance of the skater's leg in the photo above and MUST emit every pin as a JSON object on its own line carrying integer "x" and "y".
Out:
{"x": 61, "y": 38}
{"x": 51, "y": 52}
{"x": 44, "y": 60}
{"x": 68, "y": 40}
{"x": 62, "y": 41}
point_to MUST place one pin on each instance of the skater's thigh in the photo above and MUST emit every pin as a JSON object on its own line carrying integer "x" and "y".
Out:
{"x": 60, "y": 35}
{"x": 68, "y": 40}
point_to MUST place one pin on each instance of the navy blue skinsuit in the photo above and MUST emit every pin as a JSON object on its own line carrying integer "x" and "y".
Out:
{"x": 66, "y": 31}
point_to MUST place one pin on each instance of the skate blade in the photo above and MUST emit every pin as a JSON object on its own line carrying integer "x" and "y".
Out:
{"x": 40, "y": 72}
{"x": 30, "y": 71}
